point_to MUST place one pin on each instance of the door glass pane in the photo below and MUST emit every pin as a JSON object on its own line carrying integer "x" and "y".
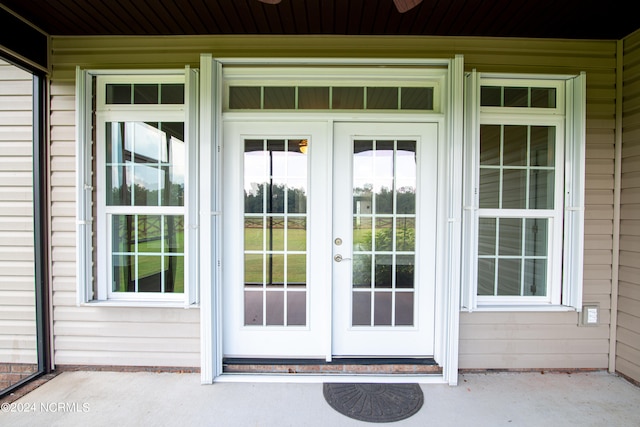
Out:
{"x": 275, "y": 308}
{"x": 361, "y": 270}
{"x": 275, "y": 232}
{"x": 296, "y": 308}
{"x": 404, "y": 308}
{"x": 361, "y": 309}
{"x": 383, "y": 312}
{"x": 384, "y": 273}
{"x": 405, "y": 268}
{"x": 383, "y": 232}
{"x": 296, "y": 233}
{"x": 406, "y": 177}
{"x": 362, "y": 233}
{"x": 405, "y": 234}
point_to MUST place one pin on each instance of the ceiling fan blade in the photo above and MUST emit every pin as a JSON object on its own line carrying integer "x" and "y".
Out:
{"x": 404, "y": 5}
{"x": 270, "y": 1}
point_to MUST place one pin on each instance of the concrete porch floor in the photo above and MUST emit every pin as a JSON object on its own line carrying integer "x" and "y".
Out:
{"x": 173, "y": 399}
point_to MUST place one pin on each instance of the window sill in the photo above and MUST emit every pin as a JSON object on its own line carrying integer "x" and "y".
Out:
{"x": 521, "y": 308}
{"x": 138, "y": 304}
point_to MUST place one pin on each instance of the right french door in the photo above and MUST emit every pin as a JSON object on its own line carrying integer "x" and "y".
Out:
{"x": 384, "y": 239}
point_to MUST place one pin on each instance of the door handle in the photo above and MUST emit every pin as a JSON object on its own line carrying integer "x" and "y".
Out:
{"x": 338, "y": 258}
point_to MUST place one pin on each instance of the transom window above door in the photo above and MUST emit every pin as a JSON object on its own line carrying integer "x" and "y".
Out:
{"x": 333, "y": 89}
{"x": 330, "y": 98}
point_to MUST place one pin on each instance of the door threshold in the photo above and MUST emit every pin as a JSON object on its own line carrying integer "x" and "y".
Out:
{"x": 338, "y": 366}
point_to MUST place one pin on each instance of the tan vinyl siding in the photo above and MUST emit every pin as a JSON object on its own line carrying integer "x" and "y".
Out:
{"x": 628, "y": 331}
{"x": 488, "y": 340}
{"x": 17, "y": 282}
{"x": 538, "y": 340}
{"x": 94, "y": 335}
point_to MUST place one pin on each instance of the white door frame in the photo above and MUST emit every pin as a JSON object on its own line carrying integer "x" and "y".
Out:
{"x": 449, "y": 202}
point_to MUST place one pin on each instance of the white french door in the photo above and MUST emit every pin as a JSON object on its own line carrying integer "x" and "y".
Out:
{"x": 384, "y": 228}
{"x": 329, "y": 239}
{"x": 276, "y": 255}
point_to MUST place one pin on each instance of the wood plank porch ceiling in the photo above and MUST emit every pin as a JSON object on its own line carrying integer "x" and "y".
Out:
{"x": 573, "y": 19}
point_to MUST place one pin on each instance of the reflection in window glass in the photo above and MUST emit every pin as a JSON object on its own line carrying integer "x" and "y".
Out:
{"x": 517, "y": 167}
{"x": 381, "y": 98}
{"x": 512, "y": 256}
{"x": 348, "y": 98}
{"x": 275, "y": 234}
{"x": 416, "y": 98}
{"x": 172, "y": 93}
{"x": 148, "y": 253}
{"x": 313, "y": 98}
{"x": 118, "y": 93}
{"x": 144, "y": 93}
{"x": 245, "y": 98}
{"x": 327, "y": 98}
{"x": 145, "y": 164}
{"x": 280, "y": 98}
{"x": 384, "y": 224}
{"x": 518, "y": 97}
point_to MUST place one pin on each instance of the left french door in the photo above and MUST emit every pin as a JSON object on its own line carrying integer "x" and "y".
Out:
{"x": 276, "y": 239}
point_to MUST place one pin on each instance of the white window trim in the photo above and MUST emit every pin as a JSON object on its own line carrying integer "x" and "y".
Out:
{"x": 84, "y": 189}
{"x": 565, "y": 292}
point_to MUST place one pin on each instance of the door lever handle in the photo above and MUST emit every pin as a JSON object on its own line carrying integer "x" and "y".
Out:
{"x": 339, "y": 258}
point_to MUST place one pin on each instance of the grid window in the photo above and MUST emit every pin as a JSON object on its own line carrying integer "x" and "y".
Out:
{"x": 141, "y": 171}
{"x": 517, "y": 198}
{"x": 384, "y": 227}
{"x": 517, "y": 167}
{"x": 520, "y": 178}
{"x": 275, "y": 232}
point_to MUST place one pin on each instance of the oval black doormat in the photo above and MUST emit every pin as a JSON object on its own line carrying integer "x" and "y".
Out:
{"x": 376, "y": 403}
